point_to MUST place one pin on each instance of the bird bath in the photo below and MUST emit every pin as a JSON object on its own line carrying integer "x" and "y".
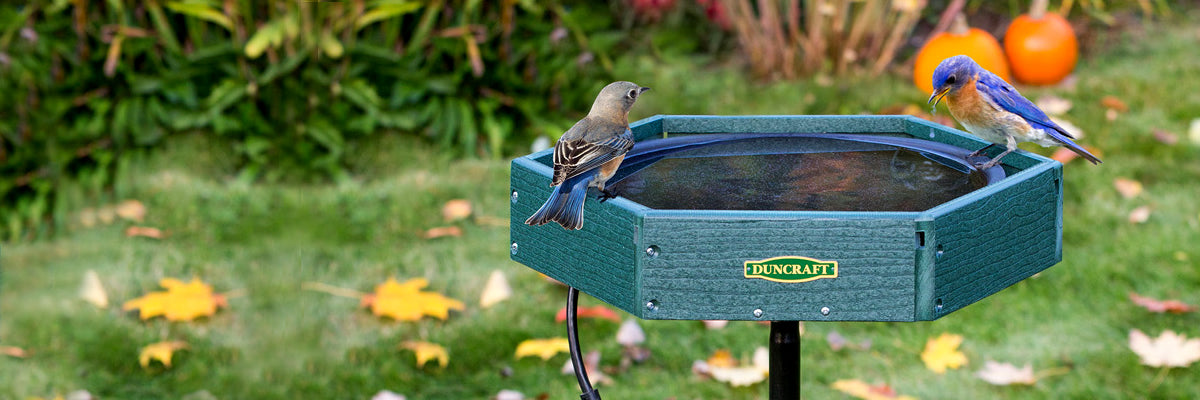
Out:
{"x": 797, "y": 218}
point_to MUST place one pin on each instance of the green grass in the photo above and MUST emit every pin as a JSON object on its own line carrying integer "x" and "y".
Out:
{"x": 279, "y": 341}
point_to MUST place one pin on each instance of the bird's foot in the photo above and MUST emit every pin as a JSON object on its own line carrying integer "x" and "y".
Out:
{"x": 605, "y": 195}
{"x": 986, "y": 165}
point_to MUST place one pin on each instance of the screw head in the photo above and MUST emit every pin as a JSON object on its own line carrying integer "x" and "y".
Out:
{"x": 652, "y": 305}
{"x": 513, "y": 249}
{"x": 652, "y": 251}
{"x": 825, "y": 311}
{"x": 758, "y": 313}
{"x": 514, "y": 196}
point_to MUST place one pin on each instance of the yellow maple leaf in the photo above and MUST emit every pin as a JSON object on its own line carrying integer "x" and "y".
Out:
{"x": 180, "y": 302}
{"x": 862, "y": 390}
{"x": 544, "y": 348}
{"x": 427, "y": 351}
{"x": 942, "y": 353}
{"x": 406, "y": 302}
{"x": 160, "y": 351}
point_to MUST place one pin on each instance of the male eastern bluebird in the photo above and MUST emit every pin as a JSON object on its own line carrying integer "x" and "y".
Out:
{"x": 589, "y": 154}
{"x": 991, "y": 109}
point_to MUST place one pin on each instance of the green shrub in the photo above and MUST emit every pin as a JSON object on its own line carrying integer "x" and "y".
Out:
{"x": 285, "y": 84}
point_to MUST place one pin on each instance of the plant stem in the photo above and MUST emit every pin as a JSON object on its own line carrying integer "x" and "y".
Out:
{"x": 1038, "y": 9}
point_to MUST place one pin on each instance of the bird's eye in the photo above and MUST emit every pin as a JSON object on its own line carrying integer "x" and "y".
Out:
{"x": 632, "y": 94}
{"x": 950, "y": 80}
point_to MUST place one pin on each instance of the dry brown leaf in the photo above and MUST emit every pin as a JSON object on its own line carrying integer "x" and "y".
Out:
{"x": 745, "y": 375}
{"x": 1113, "y": 103}
{"x": 721, "y": 358}
{"x": 715, "y": 324}
{"x": 443, "y": 231}
{"x": 509, "y": 395}
{"x": 1006, "y": 374}
{"x": 1139, "y": 215}
{"x": 630, "y": 333}
{"x": 1160, "y": 306}
{"x": 1169, "y": 349}
{"x": 455, "y": 210}
{"x": 495, "y": 290}
{"x": 1128, "y": 188}
{"x": 1164, "y": 137}
{"x": 835, "y": 340}
{"x": 13, "y": 351}
{"x": 862, "y": 390}
{"x": 1110, "y": 115}
{"x": 92, "y": 290}
{"x": 942, "y": 353}
{"x": 597, "y": 312}
{"x": 144, "y": 231}
{"x": 131, "y": 210}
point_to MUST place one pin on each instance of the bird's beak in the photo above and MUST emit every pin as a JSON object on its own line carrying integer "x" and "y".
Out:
{"x": 642, "y": 90}
{"x": 938, "y": 95}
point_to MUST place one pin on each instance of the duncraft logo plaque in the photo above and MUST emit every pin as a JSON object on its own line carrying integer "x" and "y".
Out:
{"x": 791, "y": 269}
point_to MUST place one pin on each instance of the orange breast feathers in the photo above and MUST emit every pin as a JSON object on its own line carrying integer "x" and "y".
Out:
{"x": 969, "y": 107}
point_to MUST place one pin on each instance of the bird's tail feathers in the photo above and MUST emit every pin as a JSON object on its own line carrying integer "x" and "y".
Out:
{"x": 565, "y": 206}
{"x": 1074, "y": 147}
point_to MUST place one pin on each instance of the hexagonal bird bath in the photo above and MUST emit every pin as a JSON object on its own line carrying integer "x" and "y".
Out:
{"x": 796, "y": 218}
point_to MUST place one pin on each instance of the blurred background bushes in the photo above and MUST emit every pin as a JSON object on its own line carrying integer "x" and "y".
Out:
{"x": 288, "y": 87}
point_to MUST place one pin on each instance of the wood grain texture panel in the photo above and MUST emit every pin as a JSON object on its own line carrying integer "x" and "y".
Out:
{"x": 599, "y": 259}
{"x": 698, "y": 273}
{"x": 997, "y": 240}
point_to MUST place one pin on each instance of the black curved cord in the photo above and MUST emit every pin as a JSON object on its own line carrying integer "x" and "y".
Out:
{"x": 573, "y": 340}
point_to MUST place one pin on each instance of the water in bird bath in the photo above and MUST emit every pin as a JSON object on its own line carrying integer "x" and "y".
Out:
{"x": 798, "y": 175}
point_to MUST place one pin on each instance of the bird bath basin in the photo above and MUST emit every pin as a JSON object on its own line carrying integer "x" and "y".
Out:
{"x": 797, "y": 218}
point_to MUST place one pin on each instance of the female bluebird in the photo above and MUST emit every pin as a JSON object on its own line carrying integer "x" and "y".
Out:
{"x": 991, "y": 109}
{"x": 589, "y": 154}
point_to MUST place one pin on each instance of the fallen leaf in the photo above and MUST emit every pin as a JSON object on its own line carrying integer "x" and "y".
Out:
{"x": 1113, "y": 103}
{"x": 1064, "y": 155}
{"x": 1159, "y": 306}
{"x": 495, "y": 290}
{"x": 1164, "y": 137}
{"x": 715, "y": 324}
{"x": 85, "y": 395}
{"x": 509, "y": 395}
{"x": 161, "y": 351}
{"x": 427, "y": 352}
{"x": 92, "y": 290}
{"x": 1006, "y": 374}
{"x": 1139, "y": 215}
{"x": 1194, "y": 132}
{"x": 630, "y": 333}
{"x": 591, "y": 364}
{"x": 721, "y": 358}
{"x": 13, "y": 351}
{"x": 443, "y": 231}
{"x": 738, "y": 376}
{"x": 180, "y": 302}
{"x": 131, "y": 210}
{"x": 1053, "y": 105}
{"x": 1075, "y": 131}
{"x": 388, "y": 395}
{"x": 1110, "y": 115}
{"x": 862, "y": 390}
{"x": 1169, "y": 349}
{"x": 144, "y": 231}
{"x": 835, "y": 340}
{"x": 1128, "y": 188}
{"x": 942, "y": 353}
{"x": 455, "y": 210}
{"x": 406, "y": 302}
{"x": 598, "y": 311}
{"x": 544, "y": 348}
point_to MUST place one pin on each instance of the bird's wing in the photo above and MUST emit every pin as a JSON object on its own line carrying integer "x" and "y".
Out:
{"x": 1007, "y": 98}
{"x": 578, "y": 155}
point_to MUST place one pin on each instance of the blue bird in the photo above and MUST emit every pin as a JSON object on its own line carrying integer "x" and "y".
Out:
{"x": 588, "y": 154}
{"x": 993, "y": 110}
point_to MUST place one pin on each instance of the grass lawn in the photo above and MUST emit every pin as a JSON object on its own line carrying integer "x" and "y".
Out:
{"x": 280, "y": 341}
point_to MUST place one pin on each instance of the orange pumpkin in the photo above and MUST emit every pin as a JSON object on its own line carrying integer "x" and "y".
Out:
{"x": 960, "y": 39}
{"x": 1041, "y": 46}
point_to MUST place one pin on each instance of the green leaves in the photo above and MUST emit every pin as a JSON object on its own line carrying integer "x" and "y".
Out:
{"x": 201, "y": 10}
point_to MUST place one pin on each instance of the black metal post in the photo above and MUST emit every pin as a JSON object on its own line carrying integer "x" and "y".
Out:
{"x": 785, "y": 360}
{"x": 576, "y": 355}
